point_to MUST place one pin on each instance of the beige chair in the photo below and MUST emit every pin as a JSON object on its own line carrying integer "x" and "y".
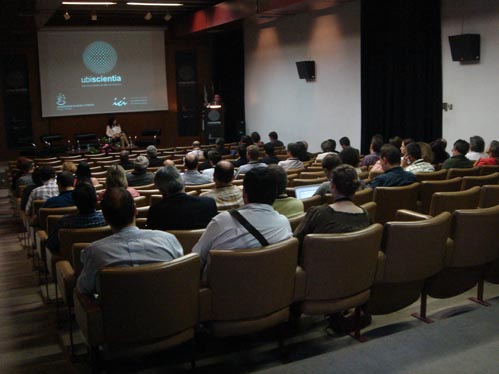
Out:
{"x": 141, "y": 308}
{"x": 142, "y": 211}
{"x": 294, "y": 222}
{"x": 428, "y": 188}
{"x": 141, "y": 223}
{"x": 370, "y": 208}
{"x": 412, "y": 253}
{"x": 489, "y": 169}
{"x": 463, "y": 172}
{"x": 363, "y": 196}
{"x": 308, "y": 182}
{"x": 451, "y": 201}
{"x": 141, "y": 201}
{"x": 432, "y": 176}
{"x": 391, "y": 199}
{"x": 340, "y": 269}
{"x": 144, "y": 187}
{"x": 489, "y": 196}
{"x": 187, "y": 238}
{"x": 312, "y": 174}
{"x": 249, "y": 290}
{"x": 199, "y": 187}
{"x": 311, "y": 201}
{"x": 149, "y": 193}
{"x": 469, "y": 182}
{"x": 475, "y": 244}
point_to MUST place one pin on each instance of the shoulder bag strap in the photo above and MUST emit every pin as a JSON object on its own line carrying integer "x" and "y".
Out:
{"x": 248, "y": 226}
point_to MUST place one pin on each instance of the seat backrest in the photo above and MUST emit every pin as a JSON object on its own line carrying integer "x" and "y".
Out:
{"x": 148, "y": 302}
{"x": 312, "y": 174}
{"x": 391, "y": 199}
{"x": 489, "y": 196}
{"x": 489, "y": 169}
{"x": 187, "y": 238}
{"x": 67, "y": 237}
{"x": 451, "y": 201}
{"x": 340, "y": 265}
{"x": 462, "y": 172}
{"x": 469, "y": 182}
{"x": 428, "y": 188}
{"x": 149, "y": 193}
{"x": 432, "y": 176}
{"x": 144, "y": 187}
{"x": 308, "y": 181}
{"x": 76, "y": 252}
{"x": 199, "y": 187}
{"x": 363, "y": 196}
{"x": 155, "y": 199}
{"x": 294, "y": 222}
{"x": 370, "y": 208}
{"x": 311, "y": 201}
{"x": 142, "y": 211}
{"x": 141, "y": 201}
{"x": 415, "y": 250}
{"x": 141, "y": 223}
{"x": 250, "y": 283}
{"x": 43, "y": 213}
{"x": 476, "y": 239}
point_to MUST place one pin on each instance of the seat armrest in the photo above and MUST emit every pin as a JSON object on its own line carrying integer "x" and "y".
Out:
{"x": 300, "y": 284}
{"x": 204, "y": 304}
{"x": 380, "y": 267}
{"x": 89, "y": 318}
{"x": 410, "y": 215}
{"x": 66, "y": 281}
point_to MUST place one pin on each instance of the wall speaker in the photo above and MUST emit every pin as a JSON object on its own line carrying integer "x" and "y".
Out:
{"x": 306, "y": 69}
{"x": 465, "y": 47}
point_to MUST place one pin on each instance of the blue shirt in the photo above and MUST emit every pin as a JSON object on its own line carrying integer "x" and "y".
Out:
{"x": 128, "y": 247}
{"x": 393, "y": 177}
{"x": 64, "y": 199}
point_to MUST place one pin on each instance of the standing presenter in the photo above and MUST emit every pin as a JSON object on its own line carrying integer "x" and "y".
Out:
{"x": 114, "y": 132}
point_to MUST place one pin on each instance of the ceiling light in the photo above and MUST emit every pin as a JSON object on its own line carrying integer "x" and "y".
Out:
{"x": 154, "y": 4}
{"x": 168, "y": 17}
{"x": 93, "y": 17}
{"x": 88, "y": 3}
{"x": 66, "y": 16}
{"x": 148, "y": 16}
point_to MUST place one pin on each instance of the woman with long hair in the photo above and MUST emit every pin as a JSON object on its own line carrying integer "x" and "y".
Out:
{"x": 115, "y": 132}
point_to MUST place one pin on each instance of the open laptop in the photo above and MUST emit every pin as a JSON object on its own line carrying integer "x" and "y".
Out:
{"x": 302, "y": 192}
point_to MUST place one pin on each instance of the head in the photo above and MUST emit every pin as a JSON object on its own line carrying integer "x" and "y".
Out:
{"x": 220, "y": 142}
{"x": 376, "y": 144}
{"x": 493, "y": 150}
{"x": 224, "y": 173}
{"x": 85, "y": 197}
{"x": 302, "y": 151}
{"x": 259, "y": 186}
{"x": 25, "y": 164}
{"x": 389, "y": 156}
{"x": 281, "y": 178}
{"x": 344, "y": 142}
{"x": 378, "y": 137}
{"x": 124, "y": 156}
{"x": 116, "y": 177}
{"x": 69, "y": 166}
{"x": 269, "y": 149}
{"x": 477, "y": 144}
{"x": 168, "y": 181}
{"x": 152, "y": 151}
{"x": 191, "y": 161}
{"x": 214, "y": 157}
{"x": 293, "y": 149}
{"x": 252, "y": 153}
{"x": 47, "y": 173}
{"x": 196, "y": 144}
{"x": 413, "y": 151}
{"x": 140, "y": 164}
{"x": 396, "y": 141}
{"x": 461, "y": 147}
{"x": 329, "y": 163}
{"x": 65, "y": 181}
{"x": 255, "y": 137}
{"x": 426, "y": 152}
{"x": 273, "y": 136}
{"x": 438, "y": 146}
{"x": 350, "y": 157}
{"x": 118, "y": 208}
{"x": 246, "y": 140}
{"x": 112, "y": 122}
{"x": 328, "y": 145}
{"x": 168, "y": 162}
{"x": 241, "y": 151}
{"x": 405, "y": 143}
{"x": 83, "y": 171}
{"x": 344, "y": 181}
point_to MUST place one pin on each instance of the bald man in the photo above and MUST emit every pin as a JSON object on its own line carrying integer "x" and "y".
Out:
{"x": 225, "y": 194}
{"x": 191, "y": 174}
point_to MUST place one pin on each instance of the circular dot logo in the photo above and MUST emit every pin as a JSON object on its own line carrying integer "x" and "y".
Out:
{"x": 100, "y": 57}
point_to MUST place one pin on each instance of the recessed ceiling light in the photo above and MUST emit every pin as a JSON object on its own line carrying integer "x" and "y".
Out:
{"x": 66, "y": 16}
{"x": 168, "y": 17}
{"x": 148, "y": 16}
{"x": 154, "y": 4}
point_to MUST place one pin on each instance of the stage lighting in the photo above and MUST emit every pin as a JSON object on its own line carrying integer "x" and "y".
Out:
{"x": 148, "y": 16}
{"x": 168, "y": 17}
{"x": 66, "y": 16}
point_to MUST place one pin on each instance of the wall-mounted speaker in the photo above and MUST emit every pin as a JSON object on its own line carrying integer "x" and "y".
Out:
{"x": 306, "y": 69}
{"x": 465, "y": 47}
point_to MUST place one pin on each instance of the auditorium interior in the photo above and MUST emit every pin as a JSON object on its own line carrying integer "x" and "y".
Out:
{"x": 310, "y": 70}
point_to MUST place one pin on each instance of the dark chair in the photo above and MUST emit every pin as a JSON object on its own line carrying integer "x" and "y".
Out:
{"x": 148, "y": 137}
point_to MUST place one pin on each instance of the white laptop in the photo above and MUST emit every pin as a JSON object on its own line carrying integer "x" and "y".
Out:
{"x": 302, "y": 192}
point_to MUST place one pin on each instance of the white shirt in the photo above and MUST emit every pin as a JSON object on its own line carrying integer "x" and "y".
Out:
{"x": 250, "y": 165}
{"x": 224, "y": 232}
{"x": 111, "y": 131}
{"x": 291, "y": 163}
{"x": 474, "y": 156}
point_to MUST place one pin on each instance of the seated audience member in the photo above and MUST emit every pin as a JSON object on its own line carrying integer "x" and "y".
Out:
{"x": 213, "y": 158}
{"x": 242, "y": 160}
{"x": 274, "y": 140}
{"x": 292, "y": 162}
{"x": 393, "y": 174}
{"x": 226, "y": 232}
{"x": 65, "y": 183}
{"x": 252, "y": 155}
{"x": 350, "y": 156}
{"x": 196, "y": 149}
{"x": 37, "y": 182}
{"x": 84, "y": 174}
{"x": 458, "y": 159}
{"x": 493, "y": 155}
{"x": 69, "y": 166}
{"x": 191, "y": 175}
{"x": 202, "y": 166}
{"x": 24, "y": 176}
{"x": 255, "y": 137}
{"x": 47, "y": 190}
{"x": 416, "y": 163}
{"x": 246, "y": 140}
{"x": 128, "y": 246}
{"x": 152, "y": 155}
{"x": 344, "y": 143}
{"x": 477, "y": 147}
{"x": 404, "y": 145}
{"x": 396, "y": 141}
{"x": 177, "y": 210}
{"x": 303, "y": 153}
{"x": 340, "y": 216}
{"x": 225, "y": 194}
{"x": 426, "y": 152}
{"x": 329, "y": 163}
{"x": 328, "y": 147}
{"x": 439, "y": 153}
{"x": 116, "y": 177}
{"x": 125, "y": 160}
{"x": 290, "y": 207}
{"x": 270, "y": 157}
{"x": 85, "y": 199}
{"x": 373, "y": 156}
{"x": 140, "y": 176}
{"x": 220, "y": 147}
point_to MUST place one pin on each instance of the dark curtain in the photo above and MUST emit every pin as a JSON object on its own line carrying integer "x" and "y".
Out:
{"x": 401, "y": 70}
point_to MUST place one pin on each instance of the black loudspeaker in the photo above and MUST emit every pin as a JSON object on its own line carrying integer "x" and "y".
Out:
{"x": 465, "y": 47}
{"x": 306, "y": 69}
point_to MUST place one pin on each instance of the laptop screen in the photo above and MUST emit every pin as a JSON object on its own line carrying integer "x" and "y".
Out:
{"x": 302, "y": 192}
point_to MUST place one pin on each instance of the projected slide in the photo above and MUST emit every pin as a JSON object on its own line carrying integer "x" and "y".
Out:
{"x": 91, "y": 72}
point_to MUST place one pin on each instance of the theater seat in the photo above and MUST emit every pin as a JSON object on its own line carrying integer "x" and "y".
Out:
{"x": 390, "y": 199}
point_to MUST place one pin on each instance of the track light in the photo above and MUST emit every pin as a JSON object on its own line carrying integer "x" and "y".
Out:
{"x": 148, "y": 16}
{"x": 168, "y": 17}
{"x": 66, "y": 16}
{"x": 93, "y": 17}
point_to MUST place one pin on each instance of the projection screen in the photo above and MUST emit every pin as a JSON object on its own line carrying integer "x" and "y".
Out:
{"x": 101, "y": 71}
